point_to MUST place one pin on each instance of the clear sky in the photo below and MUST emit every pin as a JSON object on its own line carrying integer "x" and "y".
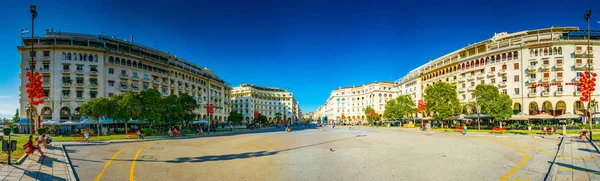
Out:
{"x": 312, "y": 47}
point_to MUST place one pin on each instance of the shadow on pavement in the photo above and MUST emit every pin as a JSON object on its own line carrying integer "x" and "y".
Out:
{"x": 578, "y": 168}
{"x": 587, "y": 149}
{"x": 209, "y": 158}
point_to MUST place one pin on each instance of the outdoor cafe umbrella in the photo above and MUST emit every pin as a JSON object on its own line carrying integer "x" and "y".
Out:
{"x": 200, "y": 122}
{"x": 85, "y": 120}
{"x": 543, "y": 116}
{"x": 69, "y": 123}
{"x": 519, "y": 117}
{"x": 51, "y": 123}
{"x": 568, "y": 116}
{"x": 480, "y": 116}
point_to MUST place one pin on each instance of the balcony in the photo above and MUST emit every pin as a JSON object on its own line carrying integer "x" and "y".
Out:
{"x": 579, "y": 66}
{"x": 165, "y": 94}
{"x": 491, "y": 74}
{"x": 79, "y": 72}
{"x": 502, "y": 84}
{"x": 156, "y": 81}
{"x": 532, "y": 68}
{"x": 533, "y": 94}
{"x": 45, "y": 71}
{"x": 545, "y": 94}
{"x": 94, "y": 72}
{"x": 124, "y": 88}
{"x": 66, "y": 71}
{"x": 136, "y": 89}
{"x": 79, "y": 85}
{"x": 146, "y": 80}
{"x": 558, "y": 79}
{"x": 66, "y": 84}
{"x": 79, "y": 99}
{"x": 188, "y": 88}
{"x": 93, "y": 86}
{"x": 195, "y": 90}
{"x": 471, "y": 88}
{"x": 136, "y": 78}
{"x": 180, "y": 87}
{"x": 165, "y": 83}
{"x": 462, "y": 79}
{"x": 480, "y": 76}
{"x": 577, "y": 93}
{"x": 173, "y": 85}
{"x": 46, "y": 99}
{"x": 545, "y": 66}
{"x": 558, "y": 66}
{"x": 558, "y": 93}
{"x": 65, "y": 98}
{"x": 46, "y": 58}
{"x": 502, "y": 72}
{"x": 470, "y": 77}
{"x": 124, "y": 76}
{"x": 584, "y": 54}
{"x": 546, "y": 79}
{"x": 46, "y": 85}
{"x": 532, "y": 80}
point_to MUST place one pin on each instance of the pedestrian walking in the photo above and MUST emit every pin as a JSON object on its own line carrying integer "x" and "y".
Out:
{"x": 87, "y": 136}
{"x": 230, "y": 128}
{"x": 139, "y": 133}
{"x": 464, "y": 129}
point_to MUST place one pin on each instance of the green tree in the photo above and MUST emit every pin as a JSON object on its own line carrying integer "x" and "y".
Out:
{"x": 235, "y": 117}
{"x": 152, "y": 106}
{"x": 492, "y": 102}
{"x": 130, "y": 107}
{"x": 367, "y": 112}
{"x": 442, "y": 100}
{"x": 278, "y": 117}
{"x": 398, "y": 108}
{"x": 172, "y": 110}
{"x": 96, "y": 109}
{"x": 14, "y": 120}
{"x": 188, "y": 105}
{"x": 307, "y": 120}
{"x": 262, "y": 119}
{"x": 501, "y": 108}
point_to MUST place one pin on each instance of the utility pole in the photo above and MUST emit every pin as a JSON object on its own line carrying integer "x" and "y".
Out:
{"x": 33, "y": 11}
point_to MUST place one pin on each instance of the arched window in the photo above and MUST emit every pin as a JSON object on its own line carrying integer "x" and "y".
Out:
{"x": 68, "y": 56}
{"x": 530, "y": 53}
{"x": 123, "y": 62}
{"x": 128, "y": 63}
{"x": 468, "y": 65}
{"x": 509, "y": 56}
{"x": 91, "y": 58}
{"x": 560, "y": 50}
{"x": 84, "y": 57}
{"x": 64, "y": 56}
{"x": 504, "y": 57}
{"x": 535, "y": 53}
{"x": 555, "y": 51}
{"x": 135, "y": 64}
{"x": 80, "y": 57}
{"x": 545, "y": 51}
{"x": 95, "y": 58}
{"x": 516, "y": 55}
{"x": 111, "y": 59}
{"x": 498, "y": 57}
{"x": 75, "y": 56}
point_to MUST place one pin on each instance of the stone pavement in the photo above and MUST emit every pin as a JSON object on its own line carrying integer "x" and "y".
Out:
{"x": 577, "y": 160}
{"x": 53, "y": 167}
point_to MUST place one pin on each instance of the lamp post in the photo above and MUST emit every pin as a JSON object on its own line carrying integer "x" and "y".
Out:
{"x": 33, "y": 11}
{"x": 587, "y": 15}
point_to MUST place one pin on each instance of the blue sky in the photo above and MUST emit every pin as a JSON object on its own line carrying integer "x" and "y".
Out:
{"x": 311, "y": 47}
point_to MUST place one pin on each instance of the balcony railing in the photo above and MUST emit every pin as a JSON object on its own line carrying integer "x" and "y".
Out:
{"x": 180, "y": 87}
{"x": 79, "y": 85}
{"x": 533, "y": 94}
{"x": 462, "y": 79}
{"x": 532, "y": 80}
{"x": 65, "y": 98}
{"x": 66, "y": 71}
{"x": 173, "y": 85}
{"x": 94, "y": 72}
{"x": 46, "y": 99}
{"x": 545, "y": 66}
{"x": 502, "y": 84}
{"x": 579, "y": 66}
{"x": 124, "y": 88}
{"x": 79, "y": 99}
{"x": 558, "y": 93}
{"x": 124, "y": 76}
{"x": 79, "y": 71}
{"x": 470, "y": 77}
{"x": 558, "y": 79}
{"x": 46, "y": 84}
{"x": 136, "y": 89}
{"x": 188, "y": 88}
{"x": 545, "y": 94}
{"x": 480, "y": 76}
{"x": 195, "y": 90}
{"x": 502, "y": 72}
{"x": 66, "y": 84}
{"x": 135, "y": 78}
{"x": 165, "y": 93}
{"x": 165, "y": 83}
{"x": 156, "y": 81}
{"x": 146, "y": 80}
{"x": 558, "y": 66}
{"x": 546, "y": 79}
{"x": 45, "y": 71}
{"x": 471, "y": 88}
{"x": 93, "y": 86}
{"x": 45, "y": 58}
{"x": 532, "y": 68}
{"x": 491, "y": 74}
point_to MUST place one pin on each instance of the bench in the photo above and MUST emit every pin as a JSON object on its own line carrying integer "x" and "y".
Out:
{"x": 499, "y": 130}
{"x": 132, "y": 135}
{"x": 78, "y": 137}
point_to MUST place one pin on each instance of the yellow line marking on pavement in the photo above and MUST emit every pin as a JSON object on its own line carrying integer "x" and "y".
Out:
{"x": 131, "y": 172}
{"x": 531, "y": 147}
{"x": 514, "y": 169}
{"x": 120, "y": 164}
{"x": 108, "y": 163}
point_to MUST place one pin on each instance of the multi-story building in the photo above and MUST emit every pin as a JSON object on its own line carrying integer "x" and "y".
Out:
{"x": 307, "y": 115}
{"x": 538, "y": 69}
{"x": 347, "y": 104}
{"x": 266, "y": 101}
{"x": 79, "y": 67}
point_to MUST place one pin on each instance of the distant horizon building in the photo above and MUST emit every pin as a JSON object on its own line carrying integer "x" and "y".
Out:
{"x": 307, "y": 115}
{"x": 247, "y": 98}
{"x": 79, "y": 67}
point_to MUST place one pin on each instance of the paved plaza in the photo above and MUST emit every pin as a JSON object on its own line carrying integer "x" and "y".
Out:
{"x": 322, "y": 154}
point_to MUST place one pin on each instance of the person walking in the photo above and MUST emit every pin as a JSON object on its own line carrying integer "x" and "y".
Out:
{"x": 230, "y": 128}
{"x": 464, "y": 129}
{"x": 139, "y": 133}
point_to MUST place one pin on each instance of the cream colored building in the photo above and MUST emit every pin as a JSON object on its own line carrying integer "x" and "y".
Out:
{"x": 347, "y": 104}
{"x": 248, "y": 98}
{"x": 79, "y": 67}
{"x": 538, "y": 69}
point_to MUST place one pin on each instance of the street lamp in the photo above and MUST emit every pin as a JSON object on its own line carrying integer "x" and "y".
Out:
{"x": 586, "y": 16}
{"x": 33, "y": 11}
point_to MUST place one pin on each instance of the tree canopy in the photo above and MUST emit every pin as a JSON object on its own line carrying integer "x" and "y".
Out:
{"x": 235, "y": 117}
{"x": 492, "y": 102}
{"x": 262, "y": 119}
{"x": 398, "y": 108}
{"x": 442, "y": 100}
{"x": 370, "y": 117}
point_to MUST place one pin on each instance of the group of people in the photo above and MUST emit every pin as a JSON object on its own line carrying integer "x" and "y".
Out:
{"x": 173, "y": 132}
{"x": 42, "y": 140}
{"x": 548, "y": 130}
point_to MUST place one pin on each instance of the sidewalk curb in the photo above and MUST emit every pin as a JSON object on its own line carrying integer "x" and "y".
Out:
{"x": 22, "y": 159}
{"x": 551, "y": 169}
{"x": 70, "y": 169}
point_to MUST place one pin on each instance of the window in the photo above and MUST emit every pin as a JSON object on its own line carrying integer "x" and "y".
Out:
{"x": 534, "y": 90}
{"x": 46, "y": 53}
{"x": 532, "y": 76}
{"x": 145, "y": 87}
{"x": 79, "y": 94}
{"x": 546, "y": 74}
{"x": 111, "y": 71}
{"x": 79, "y": 67}
{"x": 515, "y": 55}
{"x": 559, "y": 88}
{"x": 546, "y": 62}
{"x": 463, "y": 85}
{"x": 79, "y": 80}
{"x": 472, "y": 84}
{"x": 123, "y": 72}
{"x": 578, "y": 61}
{"x": 504, "y": 67}
{"x": 578, "y": 74}
{"x": 482, "y": 82}
{"x": 110, "y": 94}
{"x": 503, "y": 79}
{"x": 65, "y": 93}
{"x": 560, "y": 50}
{"x": 65, "y": 66}
{"x": 558, "y": 74}
{"x": 111, "y": 83}
{"x": 516, "y": 66}
{"x": 46, "y": 79}
{"x": 493, "y": 81}
{"x": 46, "y": 92}
{"x": 93, "y": 94}
{"x": 517, "y": 91}
{"x": 135, "y": 74}
{"x": 546, "y": 89}
{"x": 504, "y": 91}
{"x": 516, "y": 78}
{"x": 66, "y": 80}
{"x": 493, "y": 69}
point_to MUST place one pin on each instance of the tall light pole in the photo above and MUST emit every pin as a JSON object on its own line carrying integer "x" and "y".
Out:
{"x": 33, "y": 11}
{"x": 587, "y": 15}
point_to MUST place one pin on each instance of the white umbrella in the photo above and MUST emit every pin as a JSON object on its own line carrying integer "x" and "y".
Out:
{"x": 542, "y": 116}
{"x": 520, "y": 117}
{"x": 51, "y": 122}
{"x": 69, "y": 123}
{"x": 568, "y": 116}
{"x": 200, "y": 122}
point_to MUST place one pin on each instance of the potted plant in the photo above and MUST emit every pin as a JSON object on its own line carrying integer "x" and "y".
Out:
{"x": 529, "y": 126}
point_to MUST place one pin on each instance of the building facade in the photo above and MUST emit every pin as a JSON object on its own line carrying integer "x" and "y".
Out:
{"x": 266, "y": 101}
{"x": 347, "y": 104}
{"x": 79, "y": 67}
{"x": 538, "y": 69}
{"x": 308, "y": 115}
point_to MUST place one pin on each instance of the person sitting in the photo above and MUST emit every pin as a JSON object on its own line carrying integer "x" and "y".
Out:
{"x": 48, "y": 139}
{"x": 139, "y": 134}
{"x": 582, "y": 133}
{"x": 170, "y": 132}
{"x": 551, "y": 130}
{"x": 42, "y": 140}
{"x": 30, "y": 148}
{"x": 175, "y": 131}
{"x": 544, "y": 129}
